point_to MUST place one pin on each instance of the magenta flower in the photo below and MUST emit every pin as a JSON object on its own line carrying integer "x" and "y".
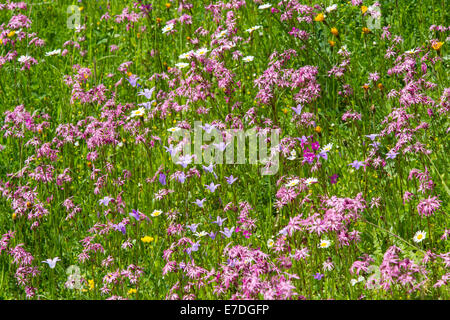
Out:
{"x": 428, "y": 206}
{"x": 334, "y": 178}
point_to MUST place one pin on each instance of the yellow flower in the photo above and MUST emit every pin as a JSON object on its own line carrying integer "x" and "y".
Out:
{"x": 91, "y": 284}
{"x": 437, "y": 45}
{"x": 81, "y": 8}
{"x": 320, "y": 17}
{"x": 318, "y": 129}
{"x": 147, "y": 239}
{"x": 334, "y": 31}
{"x": 365, "y": 30}
{"x": 129, "y": 74}
{"x": 131, "y": 291}
{"x": 168, "y": 5}
{"x": 332, "y": 43}
{"x": 14, "y": 215}
{"x": 285, "y": 110}
{"x": 363, "y": 9}
{"x": 1, "y": 41}
{"x": 11, "y": 34}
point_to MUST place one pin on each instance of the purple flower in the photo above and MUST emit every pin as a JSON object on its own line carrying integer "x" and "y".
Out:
{"x": 391, "y": 154}
{"x": 184, "y": 161}
{"x": 357, "y": 164}
{"x": 372, "y": 136}
{"x": 133, "y": 80}
{"x": 212, "y": 187}
{"x": 334, "y": 178}
{"x": 194, "y": 248}
{"x": 323, "y": 154}
{"x": 120, "y": 227}
{"x": 162, "y": 179}
{"x": 208, "y": 128}
{"x": 303, "y": 140}
{"x": 135, "y": 214}
{"x": 219, "y": 221}
{"x": 193, "y": 227}
{"x": 171, "y": 150}
{"x": 227, "y": 232}
{"x": 297, "y": 109}
{"x": 147, "y": 93}
{"x": 231, "y": 179}
{"x": 147, "y": 105}
{"x": 182, "y": 177}
{"x": 318, "y": 276}
{"x": 200, "y": 202}
{"x": 105, "y": 201}
{"x": 210, "y": 169}
{"x": 212, "y": 235}
{"x": 221, "y": 146}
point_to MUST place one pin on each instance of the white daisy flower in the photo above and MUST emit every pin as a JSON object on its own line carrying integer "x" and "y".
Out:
{"x": 324, "y": 244}
{"x": 292, "y": 183}
{"x": 270, "y": 243}
{"x": 201, "y": 51}
{"x": 327, "y": 147}
{"x": 186, "y": 55}
{"x": 293, "y": 155}
{"x": 53, "y": 53}
{"x": 182, "y": 65}
{"x": 253, "y": 29}
{"x": 419, "y": 236}
{"x": 174, "y": 129}
{"x": 201, "y": 234}
{"x": 221, "y": 34}
{"x": 156, "y": 213}
{"x": 331, "y": 8}
{"x": 167, "y": 28}
{"x": 310, "y": 181}
{"x": 138, "y": 113}
{"x": 248, "y": 58}
{"x": 264, "y": 6}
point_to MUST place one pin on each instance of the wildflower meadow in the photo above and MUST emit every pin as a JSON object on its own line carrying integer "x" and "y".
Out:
{"x": 224, "y": 150}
